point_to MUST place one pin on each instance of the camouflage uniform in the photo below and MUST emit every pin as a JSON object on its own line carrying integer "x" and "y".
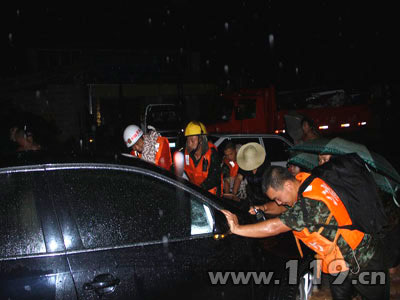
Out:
{"x": 318, "y": 214}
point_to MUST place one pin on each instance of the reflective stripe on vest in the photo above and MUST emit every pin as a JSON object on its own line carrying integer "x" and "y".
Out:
{"x": 233, "y": 167}
{"x": 163, "y": 157}
{"x": 136, "y": 154}
{"x": 328, "y": 251}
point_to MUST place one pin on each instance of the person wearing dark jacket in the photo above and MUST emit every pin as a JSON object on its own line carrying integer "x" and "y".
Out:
{"x": 252, "y": 162}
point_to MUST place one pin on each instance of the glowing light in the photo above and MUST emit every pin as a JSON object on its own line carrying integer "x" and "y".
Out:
{"x": 178, "y": 158}
{"x": 53, "y": 245}
{"x": 67, "y": 241}
{"x": 280, "y": 131}
{"x": 98, "y": 114}
{"x": 218, "y": 236}
{"x": 344, "y": 125}
{"x": 323, "y": 127}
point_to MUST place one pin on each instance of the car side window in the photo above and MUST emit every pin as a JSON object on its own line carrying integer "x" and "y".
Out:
{"x": 276, "y": 149}
{"x": 201, "y": 218}
{"x": 113, "y": 208}
{"x": 237, "y": 141}
{"x": 20, "y": 223}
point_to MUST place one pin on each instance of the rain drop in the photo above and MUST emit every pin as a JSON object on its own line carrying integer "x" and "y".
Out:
{"x": 10, "y": 36}
{"x": 280, "y": 65}
{"x": 18, "y": 12}
{"x": 207, "y": 62}
{"x": 297, "y": 70}
{"x": 226, "y": 26}
{"x": 226, "y": 69}
{"x": 149, "y": 21}
{"x": 165, "y": 240}
{"x": 271, "y": 40}
{"x": 168, "y": 12}
{"x": 160, "y": 212}
{"x": 167, "y": 59}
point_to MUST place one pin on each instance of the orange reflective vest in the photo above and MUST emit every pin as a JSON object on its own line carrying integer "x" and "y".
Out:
{"x": 163, "y": 157}
{"x": 197, "y": 174}
{"x": 233, "y": 167}
{"x": 328, "y": 252}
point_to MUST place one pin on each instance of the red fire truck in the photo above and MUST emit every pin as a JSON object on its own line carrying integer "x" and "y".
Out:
{"x": 264, "y": 111}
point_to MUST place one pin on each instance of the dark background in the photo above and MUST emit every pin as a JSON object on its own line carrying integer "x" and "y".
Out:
{"x": 296, "y": 43}
{"x": 53, "y": 50}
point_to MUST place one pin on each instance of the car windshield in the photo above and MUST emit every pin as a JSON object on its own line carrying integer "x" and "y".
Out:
{"x": 165, "y": 117}
{"x": 212, "y": 113}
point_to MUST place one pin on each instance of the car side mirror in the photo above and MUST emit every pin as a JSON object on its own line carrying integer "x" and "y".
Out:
{"x": 221, "y": 227}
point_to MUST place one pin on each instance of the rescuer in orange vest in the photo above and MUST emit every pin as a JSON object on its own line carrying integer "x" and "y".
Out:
{"x": 151, "y": 147}
{"x": 349, "y": 252}
{"x": 229, "y": 170}
{"x": 201, "y": 161}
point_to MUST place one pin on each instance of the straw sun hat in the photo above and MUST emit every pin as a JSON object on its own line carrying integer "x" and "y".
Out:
{"x": 250, "y": 156}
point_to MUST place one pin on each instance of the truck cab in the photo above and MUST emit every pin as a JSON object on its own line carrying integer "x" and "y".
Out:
{"x": 263, "y": 110}
{"x": 246, "y": 111}
{"x": 165, "y": 118}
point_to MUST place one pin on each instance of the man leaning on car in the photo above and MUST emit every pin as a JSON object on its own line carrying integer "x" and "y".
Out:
{"x": 352, "y": 253}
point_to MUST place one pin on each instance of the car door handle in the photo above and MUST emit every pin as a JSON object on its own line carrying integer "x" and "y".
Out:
{"x": 102, "y": 284}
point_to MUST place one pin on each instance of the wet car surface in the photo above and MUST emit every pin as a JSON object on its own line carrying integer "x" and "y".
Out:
{"x": 117, "y": 231}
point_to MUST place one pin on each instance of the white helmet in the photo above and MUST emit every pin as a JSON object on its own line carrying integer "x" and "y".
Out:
{"x": 132, "y": 134}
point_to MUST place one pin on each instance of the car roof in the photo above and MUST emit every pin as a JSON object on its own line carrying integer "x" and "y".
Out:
{"x": 45, "y": 161}
{"x": 250, "y": 135}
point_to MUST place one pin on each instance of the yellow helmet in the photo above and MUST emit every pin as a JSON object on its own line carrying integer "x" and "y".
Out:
{"x": 195, "y": 128}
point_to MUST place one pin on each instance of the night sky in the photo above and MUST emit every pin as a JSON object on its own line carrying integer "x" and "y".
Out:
{"x": 296, "y": 43}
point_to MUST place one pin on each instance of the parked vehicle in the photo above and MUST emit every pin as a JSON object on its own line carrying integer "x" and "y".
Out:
{"x": 121, "y": 229}
{"x": 276, "y": 146}
{"x": 165, "y": 118}
{"x": 263, "y": 110}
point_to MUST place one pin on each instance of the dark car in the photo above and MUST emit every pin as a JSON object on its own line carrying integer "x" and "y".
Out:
{"x": 116, "y": 231}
